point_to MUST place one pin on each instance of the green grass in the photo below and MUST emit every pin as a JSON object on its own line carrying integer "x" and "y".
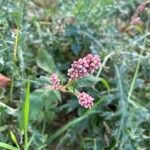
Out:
{"x": 38, "y": 38}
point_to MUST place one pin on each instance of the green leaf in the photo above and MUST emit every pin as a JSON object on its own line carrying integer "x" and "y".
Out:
{"x": 56, "y": 95}
{"x": 71, "y": 88}
{"x": 43, "y": 99}
{"x": 45, "y": 61}
{"x": 123, "y": 105}
{"x": 7, "y": 146}
{"x": 44, "y": 80}
{"x": 87, "y": 81}
{"x": 13, "y": 137}
{"x": 90, "y": 81}
{"x": 104, "y": 81}
{"x": 45, "y": 94}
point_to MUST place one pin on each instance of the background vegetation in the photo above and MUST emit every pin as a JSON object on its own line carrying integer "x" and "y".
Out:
{"x": 41, "y": 37}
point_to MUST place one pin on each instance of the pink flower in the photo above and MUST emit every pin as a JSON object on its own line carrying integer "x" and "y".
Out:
{"x": 136, "y": 21}
{"x": 141, "y": 7}
{"x": 93, "y": 62}
{"x": 84, "y": 66}
{"x": 85, "y": 100}
{"x": 55, "y": 81}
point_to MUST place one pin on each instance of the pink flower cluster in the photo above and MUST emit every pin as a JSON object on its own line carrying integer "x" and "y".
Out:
{"x": 141, "y": 7}
{"x": 55, "y": 81}
{"x": 79, "y": 69}
{"x": 136, "y": 19}
{"x": 84, "y": 66}
{"x": 85, "y": 100}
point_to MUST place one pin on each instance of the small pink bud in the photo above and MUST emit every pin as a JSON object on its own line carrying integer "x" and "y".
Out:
{"x": 136, "y": 21}
{"x": 85, "y": 100}
{"x": 141, "y": 7}
{"x": 55, "y": 81}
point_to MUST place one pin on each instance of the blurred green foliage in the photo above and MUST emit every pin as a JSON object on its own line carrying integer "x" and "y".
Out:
{"x": 41, "y": 37}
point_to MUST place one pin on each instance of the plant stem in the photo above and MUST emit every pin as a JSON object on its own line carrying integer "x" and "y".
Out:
{"x": 134, "y": 78}
{"x": 14, "y": 63}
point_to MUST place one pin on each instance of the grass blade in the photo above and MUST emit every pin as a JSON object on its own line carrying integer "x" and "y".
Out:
{"x": 134, "y": 79}
{"x": 7, "y": 146}
{"x": 29, "y": 143}
{"x": 13, "y": 137}
{"x": 26, "y": 114}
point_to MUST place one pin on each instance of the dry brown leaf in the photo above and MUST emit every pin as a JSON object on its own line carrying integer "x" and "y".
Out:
{"x": 4, "y": 81}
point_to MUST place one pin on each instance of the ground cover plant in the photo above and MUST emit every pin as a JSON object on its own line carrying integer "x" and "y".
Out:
{"x": 75, "y": 74}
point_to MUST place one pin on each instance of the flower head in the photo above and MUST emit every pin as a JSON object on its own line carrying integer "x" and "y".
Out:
{"x": 93, "y": 62}
{"x": 84, "y": 66}
{"x": 141, "y": 7}
{"x": 136, "y": 21}
{"x": 54, "y": 80}
{"x": 85, "y": 100}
